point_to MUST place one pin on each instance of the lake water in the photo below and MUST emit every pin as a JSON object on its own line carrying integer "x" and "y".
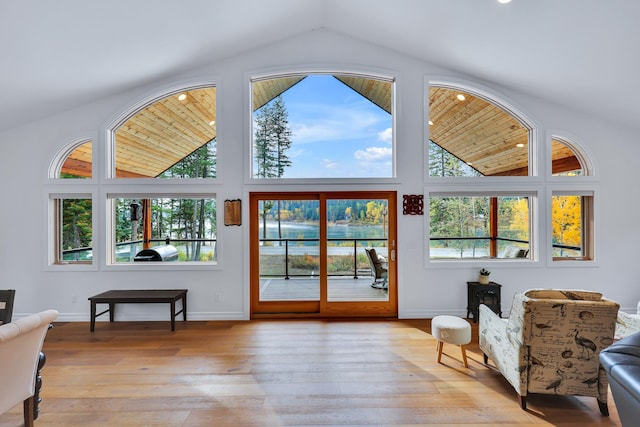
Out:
{"x": 291, "y": 230}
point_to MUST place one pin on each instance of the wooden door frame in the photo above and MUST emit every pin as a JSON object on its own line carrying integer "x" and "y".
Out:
{"x": 324, "y": 308}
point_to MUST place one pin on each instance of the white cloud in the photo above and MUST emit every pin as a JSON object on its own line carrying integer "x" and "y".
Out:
{"x": 292, "y": 154}
{"x": 373, "y": 154}
{"x": 386, "y": 135}
{"x": 320, "y": 122}
{"x": 329, "y": 164}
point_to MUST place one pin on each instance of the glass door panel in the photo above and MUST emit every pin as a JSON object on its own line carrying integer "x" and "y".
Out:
{"x": 289, "y": 248}
{"x": 354, "y": 225}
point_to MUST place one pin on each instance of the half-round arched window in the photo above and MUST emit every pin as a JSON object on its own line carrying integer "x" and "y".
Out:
{"x": 567, "y": 160}
{"x": 173, "y": 137}
{"x": 470, "y": 136}
{"x": 73, "y": 161}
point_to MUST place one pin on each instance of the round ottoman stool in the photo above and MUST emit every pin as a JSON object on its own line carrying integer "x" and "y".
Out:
{"x": 451, "y": 330}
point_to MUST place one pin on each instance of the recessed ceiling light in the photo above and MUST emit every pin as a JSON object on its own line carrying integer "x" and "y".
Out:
{"x": 504, "y": 1}
{"x": 430, "y": 123}
{"x": 182, "y": 96}
{"x": 461, "y": 97}
{"x": 520, "y": 145}
{"x": 212, "y": 122}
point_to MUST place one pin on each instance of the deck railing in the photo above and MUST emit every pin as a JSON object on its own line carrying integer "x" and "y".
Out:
{"x": 470, "y": 244}
{"x": 286, "y": 247}
{"x": 86, "y": 253}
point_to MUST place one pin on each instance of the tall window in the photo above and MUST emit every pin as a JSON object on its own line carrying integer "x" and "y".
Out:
{"x": 572, "y": 209}
{"x": 322, "y": 126}
{"x": 71, "y": 222}
{"x": 73, "y": 229}
{"x": 572, "y": 226}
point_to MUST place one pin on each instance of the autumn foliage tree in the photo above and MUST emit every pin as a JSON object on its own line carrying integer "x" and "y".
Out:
{"x": 566, "y": 221}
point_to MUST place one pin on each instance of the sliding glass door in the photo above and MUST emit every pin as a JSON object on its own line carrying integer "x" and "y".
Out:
{"x": 310, "y": 254}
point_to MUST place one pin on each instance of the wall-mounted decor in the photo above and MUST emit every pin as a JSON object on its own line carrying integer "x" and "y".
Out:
{"x": 412, "y": 204}
{"x": 233, "y": 212}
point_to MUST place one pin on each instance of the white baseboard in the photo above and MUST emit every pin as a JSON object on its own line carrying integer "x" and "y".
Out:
{"x": 129, "y": 317}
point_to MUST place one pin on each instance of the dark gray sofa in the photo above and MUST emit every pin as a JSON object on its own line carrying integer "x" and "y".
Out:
{"x": 621, "y": 361}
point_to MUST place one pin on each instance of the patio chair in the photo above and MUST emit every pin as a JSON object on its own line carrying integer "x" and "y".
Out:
{"x": 551, "y": 342}
{"x": 378, "y": 266}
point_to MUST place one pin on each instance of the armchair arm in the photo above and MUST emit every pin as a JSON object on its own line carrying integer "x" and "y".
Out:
{"x": 627, "y": 324}
{"x": 503, "y": 345}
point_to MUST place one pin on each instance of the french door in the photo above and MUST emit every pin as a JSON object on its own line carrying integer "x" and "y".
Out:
{"x": 308, "y": 254}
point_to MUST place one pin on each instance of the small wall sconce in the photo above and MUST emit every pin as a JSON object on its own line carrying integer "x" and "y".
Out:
{"x": 233, "y": 212}
{"x": 413, "y": 204}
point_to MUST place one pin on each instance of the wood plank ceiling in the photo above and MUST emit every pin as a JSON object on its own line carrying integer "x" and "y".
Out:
{"x": 474, "y": 130}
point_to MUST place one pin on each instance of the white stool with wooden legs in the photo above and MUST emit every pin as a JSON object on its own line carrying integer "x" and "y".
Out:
{"x": 451, "y": 330}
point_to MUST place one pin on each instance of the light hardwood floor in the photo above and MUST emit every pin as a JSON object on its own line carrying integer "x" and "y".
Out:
{"x": 280, "y": 373}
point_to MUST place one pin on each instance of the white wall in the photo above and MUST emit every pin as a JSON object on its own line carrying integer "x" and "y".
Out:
{"x": 425, "y": 289}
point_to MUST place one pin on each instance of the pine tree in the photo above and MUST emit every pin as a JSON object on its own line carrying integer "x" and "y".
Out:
{"x": 272, "y": 139}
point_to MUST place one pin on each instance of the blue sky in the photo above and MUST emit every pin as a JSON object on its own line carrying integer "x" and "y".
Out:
{"x": 336, "y": 132}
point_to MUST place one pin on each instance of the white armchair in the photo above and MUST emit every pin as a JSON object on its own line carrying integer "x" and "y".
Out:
{"x": 20, "y": 345}
{"x": 627, "y": 324}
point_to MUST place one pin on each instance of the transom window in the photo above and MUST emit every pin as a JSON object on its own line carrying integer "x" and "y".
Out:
{"x": 322, "y": 126}
{"x": 472, "y": 137}
{"x": 564, "y": 160}
{"x": 174, "y": 137}
{"x": 79, "y": 163}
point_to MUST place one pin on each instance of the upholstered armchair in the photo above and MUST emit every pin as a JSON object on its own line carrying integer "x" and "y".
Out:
{"x": 20, "y": 345}
{"x": 551, "y": 342}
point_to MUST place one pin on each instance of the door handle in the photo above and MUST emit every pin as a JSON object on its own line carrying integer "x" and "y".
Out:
{"x": 393, "y": 254}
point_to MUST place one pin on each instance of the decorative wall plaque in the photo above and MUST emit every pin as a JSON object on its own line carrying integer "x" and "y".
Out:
{"x": 412, "y": 204}
{"x": 233, "y": 212}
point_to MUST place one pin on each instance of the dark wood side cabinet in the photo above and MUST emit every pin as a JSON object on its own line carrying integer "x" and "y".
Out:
{"x": 488, "y": 295}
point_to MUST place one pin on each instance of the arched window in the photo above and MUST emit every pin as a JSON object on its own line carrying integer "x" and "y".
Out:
{"x": 75, "y": 161}
{"x": 473, "y": 137}
{"x": 566, "y": 160}
{"x": 469, "y": 136}
{"x": 572, "y": 205}
{"x": 173, "y": 137}
{"x": 71, "y": 212}
{"x": 169, "y": 137}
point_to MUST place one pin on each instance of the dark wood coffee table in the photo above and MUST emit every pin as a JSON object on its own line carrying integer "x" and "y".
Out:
{"x": 139, "y": 296}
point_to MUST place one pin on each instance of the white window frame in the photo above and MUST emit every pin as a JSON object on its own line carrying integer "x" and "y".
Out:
{"x": 110, "y": 222}
{"x": 249, "y": 152}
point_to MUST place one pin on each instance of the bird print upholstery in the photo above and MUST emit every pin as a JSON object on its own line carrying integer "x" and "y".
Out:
{"x": 551, "y": 341}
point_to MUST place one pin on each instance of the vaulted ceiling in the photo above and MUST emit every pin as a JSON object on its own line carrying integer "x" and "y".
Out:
{"x": 61, "y": 55}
